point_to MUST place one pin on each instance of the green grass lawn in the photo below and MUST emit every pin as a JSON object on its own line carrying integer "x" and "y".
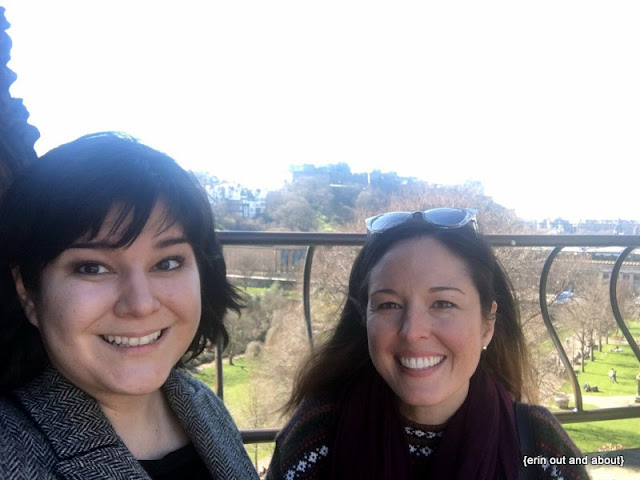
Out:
{"x": 592, "y": 436}
{"x": 236, "y": 381}
{"x": 625, "y": 363}
{"x": 625, "y": 433}
{"x": 589, "y": 437}
{"x": 236, "y": 377}
{"x": 597, "y": 372}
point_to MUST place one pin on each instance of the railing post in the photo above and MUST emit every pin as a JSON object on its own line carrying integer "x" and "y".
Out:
{"x": 306, "y": 292}
{"x": 219, "y": 348}
{"x": 613, "y": 295}
{"x": 577, "y": 393}
{"x": 219, "y": 374}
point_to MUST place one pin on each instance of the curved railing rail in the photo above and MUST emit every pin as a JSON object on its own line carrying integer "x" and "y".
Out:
{"x": 555, "y": 244}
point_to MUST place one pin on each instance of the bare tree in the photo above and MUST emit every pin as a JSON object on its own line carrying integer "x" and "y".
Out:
{"x": 255, "y": 320}
{"x": 329, "y": 285}
{"x": 285, "y": 347}
{"x": 253, "y": 413}
{"x": 587, "y": 313}
{"x": 247, "y": 263}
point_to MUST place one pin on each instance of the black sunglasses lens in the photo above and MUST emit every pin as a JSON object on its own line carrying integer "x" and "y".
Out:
{"x": 388, "y": 220}
{"x": 447, "y": 217}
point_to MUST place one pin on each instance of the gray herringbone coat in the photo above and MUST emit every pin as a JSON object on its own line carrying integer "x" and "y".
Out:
{"x": 51, "y": 429}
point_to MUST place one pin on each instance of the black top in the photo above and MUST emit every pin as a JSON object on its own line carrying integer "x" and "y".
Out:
{"x": 178, "y": 465}
{"x": 423, "y": 443}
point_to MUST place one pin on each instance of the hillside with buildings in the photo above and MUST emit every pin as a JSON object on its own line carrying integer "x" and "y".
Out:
{"x": 332, "y": 197}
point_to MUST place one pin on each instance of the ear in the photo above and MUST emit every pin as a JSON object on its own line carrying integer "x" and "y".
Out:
{"x": 26, "y": 298}
{"x": 489, "y": 324}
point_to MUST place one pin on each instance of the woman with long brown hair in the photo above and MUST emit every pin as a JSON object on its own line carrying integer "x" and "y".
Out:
{"x": 425, "y": 370}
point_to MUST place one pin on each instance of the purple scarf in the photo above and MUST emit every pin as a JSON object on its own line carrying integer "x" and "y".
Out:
{"x": 480, "y": 440}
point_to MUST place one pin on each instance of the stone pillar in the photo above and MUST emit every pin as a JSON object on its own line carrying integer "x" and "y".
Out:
{"x": 17, "y": 137}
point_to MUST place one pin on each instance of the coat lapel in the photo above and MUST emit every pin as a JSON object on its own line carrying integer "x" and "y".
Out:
{"x": 210, "y": 428}
{"x": 87, "y": 447}
{"x": 83, "y": 440}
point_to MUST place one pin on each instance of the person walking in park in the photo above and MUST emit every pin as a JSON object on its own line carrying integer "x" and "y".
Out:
{"x": 612, "y": 376}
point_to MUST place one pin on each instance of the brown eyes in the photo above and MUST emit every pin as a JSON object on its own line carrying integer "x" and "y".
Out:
{"x": 438, "y": 305}
{"x": 388, "y": 306}
{"x": 443, "y": 304}
{"x": 90, "y": 268}
{"x": 94, "y": 268}
{"x": 169, "y": 263}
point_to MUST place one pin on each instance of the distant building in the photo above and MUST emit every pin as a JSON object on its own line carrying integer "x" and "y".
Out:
{"x": 588, "y": 227}
{"x": 609, "y": 227}
{"x": 340, "y": 174}
{"x": 239, "y": 200}
{"x": 603, "y": 259}
{"x": 558, "y": 226}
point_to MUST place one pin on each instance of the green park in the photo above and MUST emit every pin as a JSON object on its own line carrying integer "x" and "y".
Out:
{"x": 611, "y": 434}
{"x": 242, "y": 399}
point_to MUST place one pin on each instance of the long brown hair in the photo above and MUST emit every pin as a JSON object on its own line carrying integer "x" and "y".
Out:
{"x": 345, "y": 354}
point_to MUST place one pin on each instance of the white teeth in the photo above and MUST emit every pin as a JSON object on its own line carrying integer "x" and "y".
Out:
{"x": 420, "y": 363}
{"x": 132, "y": 341}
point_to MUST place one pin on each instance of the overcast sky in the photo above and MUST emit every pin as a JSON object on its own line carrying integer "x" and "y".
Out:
{"x": 537, "y": 100}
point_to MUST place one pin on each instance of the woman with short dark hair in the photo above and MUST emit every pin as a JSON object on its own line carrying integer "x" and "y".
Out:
{"x": 425, "y": 370}
{"x": 111, "y": 277}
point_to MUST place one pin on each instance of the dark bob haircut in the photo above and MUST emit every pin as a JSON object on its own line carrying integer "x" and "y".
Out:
{"x": 65, "y": 195}
{"x": 345, "y": 355}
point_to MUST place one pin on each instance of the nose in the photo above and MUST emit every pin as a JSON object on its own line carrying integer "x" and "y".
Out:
{"x": 136, "y": 297}
{"x": 416, "y": 324}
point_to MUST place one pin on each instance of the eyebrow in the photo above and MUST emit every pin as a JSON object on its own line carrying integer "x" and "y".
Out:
{"x": 441, "y": 289}
{"x": 432, "y": 290}
{"x": 105, "y": 245}
{"x": 168, "y": 242}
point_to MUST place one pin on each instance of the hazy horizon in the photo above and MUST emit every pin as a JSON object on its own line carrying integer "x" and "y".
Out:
{"x": 538, "y": 102}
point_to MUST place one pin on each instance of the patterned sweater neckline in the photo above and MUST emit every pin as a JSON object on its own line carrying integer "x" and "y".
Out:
{"x": 423, "y": 439}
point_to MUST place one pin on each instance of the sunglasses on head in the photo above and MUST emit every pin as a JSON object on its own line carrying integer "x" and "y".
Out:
{"x": 444, "y": 217}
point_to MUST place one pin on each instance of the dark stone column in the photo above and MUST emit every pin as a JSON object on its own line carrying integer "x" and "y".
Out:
{"x": 17, "y": 137}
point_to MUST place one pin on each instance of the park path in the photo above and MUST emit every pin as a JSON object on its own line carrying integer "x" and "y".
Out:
{"x": 609, "y": 402}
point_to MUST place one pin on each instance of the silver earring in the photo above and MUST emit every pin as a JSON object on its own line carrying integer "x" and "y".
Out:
{"x": 484, "y": 347}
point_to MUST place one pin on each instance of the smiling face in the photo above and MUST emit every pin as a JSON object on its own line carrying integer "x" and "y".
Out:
{"x": 116, "y": 320}
{"x": 425, "y": 328}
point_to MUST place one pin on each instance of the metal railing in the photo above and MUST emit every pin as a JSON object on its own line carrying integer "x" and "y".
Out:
{"x": 554, "y": 243}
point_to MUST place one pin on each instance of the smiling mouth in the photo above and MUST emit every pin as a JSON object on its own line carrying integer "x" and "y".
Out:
{"x": 120, "y": 341}
{"x": 420, "y": 363}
